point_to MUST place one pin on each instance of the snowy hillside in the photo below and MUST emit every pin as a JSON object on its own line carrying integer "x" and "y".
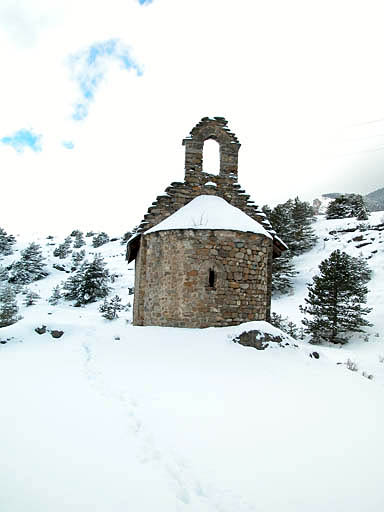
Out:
{"x": 355, "y": 238}
{"x": 111, "y": 417}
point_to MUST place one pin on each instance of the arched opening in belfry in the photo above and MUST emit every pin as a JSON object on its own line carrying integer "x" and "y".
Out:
{"x": 211, "y": 157}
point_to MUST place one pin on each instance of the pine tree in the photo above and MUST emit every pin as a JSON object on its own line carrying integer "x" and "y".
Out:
{"x": 79, "y": 240}
{"x": 292, "y": 222}
{"x": 286, "y": 325}
{"x": 30, "y": 267}
{"x": 128, "y": 235}
{"x": 100, "y": 239}
{"x": 31, "y": 298}
{"x": 339, "y": 208}
{"x": 89, "y": 283}
{"x": 63, "y": 249}
{"x": 281, "y": 219}
{"x": 336, "y": 299}
{"x": 56, "y": 296}
{"x": 77, "y": 257}
{"x": 109, "y": 309}
{"x": 124, "y": 239}
{"x": 304, "y": 237}
{"x": 283, "y": 271}
{"x": 359, "y": 208}
{"x": 8, "y": 306}
{"x": 3, "y": 274}
{"x": 6, "y": 243}
{"x": 345, "y": 206}
{"x": 363, "y": 271}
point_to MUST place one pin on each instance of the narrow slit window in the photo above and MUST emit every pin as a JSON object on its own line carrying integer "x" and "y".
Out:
{"x": 211, "y": 278}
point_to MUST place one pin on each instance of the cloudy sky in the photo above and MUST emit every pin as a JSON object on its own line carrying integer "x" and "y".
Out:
{"x": 96, "y": 98}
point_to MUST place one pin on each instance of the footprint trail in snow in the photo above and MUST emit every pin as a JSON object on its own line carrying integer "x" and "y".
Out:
{"x": 191, "y": 493}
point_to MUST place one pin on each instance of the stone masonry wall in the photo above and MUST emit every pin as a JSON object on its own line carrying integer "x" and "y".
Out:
{"x": 178, "y": 194}
{"x": 172, "y": 285}
{"x": 215, "y": 129}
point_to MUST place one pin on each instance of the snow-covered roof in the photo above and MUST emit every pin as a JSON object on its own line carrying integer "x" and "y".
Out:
{"x": 210, "y": 212}
{"x": 279, "y": 239}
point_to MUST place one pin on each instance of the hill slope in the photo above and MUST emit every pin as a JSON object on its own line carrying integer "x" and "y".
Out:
{"x": 112, "y": 417}
{"x": 375, "y": 200}
{"x": 352, "y": 237}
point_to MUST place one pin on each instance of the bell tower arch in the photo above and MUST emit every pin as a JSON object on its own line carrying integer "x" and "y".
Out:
{"x": 212, "y": 128}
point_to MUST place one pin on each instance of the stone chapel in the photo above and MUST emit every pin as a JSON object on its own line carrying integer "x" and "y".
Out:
{"x": 203, "y": 253}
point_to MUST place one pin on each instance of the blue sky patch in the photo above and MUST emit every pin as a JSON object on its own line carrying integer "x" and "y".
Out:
{"x": 23, "y": 139}
{"x": 143, "y": 2}
{"x": 80, "y": 111}
{"x": 91, "y": 65}
{"x": 68, "y": 144}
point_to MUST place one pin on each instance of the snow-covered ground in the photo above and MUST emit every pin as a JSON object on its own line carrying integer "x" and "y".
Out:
{"x": 112, "y": 417}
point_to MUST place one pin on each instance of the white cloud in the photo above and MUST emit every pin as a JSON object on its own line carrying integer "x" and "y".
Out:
{"x": 90, "y": 66}
{"x": 288, "y": 76}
